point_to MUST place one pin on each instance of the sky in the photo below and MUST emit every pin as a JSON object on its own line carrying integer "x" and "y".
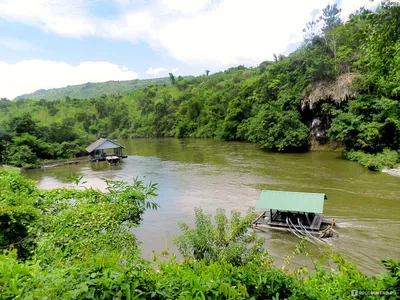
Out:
{"x": 54, "y": 43}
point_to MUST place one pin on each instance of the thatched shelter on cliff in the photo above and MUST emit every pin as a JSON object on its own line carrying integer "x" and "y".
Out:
{"x": 336, "y": 90}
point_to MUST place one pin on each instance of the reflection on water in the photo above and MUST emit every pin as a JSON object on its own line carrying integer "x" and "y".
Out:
{"x": 214, "y": 174}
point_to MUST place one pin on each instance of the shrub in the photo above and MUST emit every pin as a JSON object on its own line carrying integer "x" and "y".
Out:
{"x": 18, "y": 214}
{"x": 227, "y": 241}
{"x": 386, "y": 159}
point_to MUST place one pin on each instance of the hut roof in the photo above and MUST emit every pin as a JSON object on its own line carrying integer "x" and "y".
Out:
{"x": 292, "y": 201}
{"x": 337, "y": 90}
{"x": 103, "y": 144}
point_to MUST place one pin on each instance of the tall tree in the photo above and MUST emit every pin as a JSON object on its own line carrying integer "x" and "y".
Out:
{"x": 329, "y": 20}
{"x": 172, "y": 78}
{"x": 331, "y": 17}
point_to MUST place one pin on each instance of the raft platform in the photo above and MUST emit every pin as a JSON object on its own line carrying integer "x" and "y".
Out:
{"x": 295, "y": 212}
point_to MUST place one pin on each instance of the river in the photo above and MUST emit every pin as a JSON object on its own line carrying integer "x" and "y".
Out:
{"x": 230, "y": 175}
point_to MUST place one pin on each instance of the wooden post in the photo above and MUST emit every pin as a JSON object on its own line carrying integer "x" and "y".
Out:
{"x": 308, "y": 219}
{"x": 258, "y": 218}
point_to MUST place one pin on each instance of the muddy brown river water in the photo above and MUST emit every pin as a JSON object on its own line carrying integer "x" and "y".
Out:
{"x": 213, "y": 174}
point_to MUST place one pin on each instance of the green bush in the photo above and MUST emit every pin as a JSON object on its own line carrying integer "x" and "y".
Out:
{"x": 106, "y": 276}
{"x": 386, "y": 159}
{"x": 18, "y": 213}
{"x": 227, "y": 240}
{"x": 22, "y": 156}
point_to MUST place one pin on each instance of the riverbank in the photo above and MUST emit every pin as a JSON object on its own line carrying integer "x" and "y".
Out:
{"x": 51, "y": 163}
{"x": 393, "y": 172}
{"x": 329, "y": 146}
{"x": 10, "y": 167}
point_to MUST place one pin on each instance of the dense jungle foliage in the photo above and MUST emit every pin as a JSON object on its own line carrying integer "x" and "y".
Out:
{"x": 264, "y": 105}
{"x": 75, "y": 243}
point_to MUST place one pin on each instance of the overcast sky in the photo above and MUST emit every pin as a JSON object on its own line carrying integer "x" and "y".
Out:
{"x": 54, "y": 43}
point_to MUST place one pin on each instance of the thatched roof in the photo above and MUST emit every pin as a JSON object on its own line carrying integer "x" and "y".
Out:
{"x": 338, "y": 90}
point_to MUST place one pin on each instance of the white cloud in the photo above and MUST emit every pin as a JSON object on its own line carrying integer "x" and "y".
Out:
{"x": 16, "y": 44}
{"x": 155, "y": 71}
{"x": 351, "y": 6}
{"x": 60, "y": 16}
{"x": 185, "y": 6}
{"x": 30, "y": 75}
{"x": 237, "y": 31}
{"x": 224, "y": 32}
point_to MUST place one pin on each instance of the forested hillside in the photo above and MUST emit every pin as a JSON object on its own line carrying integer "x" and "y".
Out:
{"x": 342, "y": 85}
{"x": 94, "y": 89}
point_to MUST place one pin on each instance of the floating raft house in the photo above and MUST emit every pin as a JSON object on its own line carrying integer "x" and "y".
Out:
{"x": 297, "y": 212}
{"x": 104, "y": 149}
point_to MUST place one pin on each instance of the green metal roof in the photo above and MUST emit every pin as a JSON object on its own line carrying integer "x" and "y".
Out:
{"x": 292, "y": 201}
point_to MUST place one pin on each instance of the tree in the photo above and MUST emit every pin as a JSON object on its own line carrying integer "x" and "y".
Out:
{"x": 278, "y": 57}
{"x": 172, "y": 78}
{"x": 4, "y": 150}
{"x": 4, "y": 103}
{"x": 381, "y": 55}
{"x": 22, "y": 156}
{"x": 23, "y": 124}
{"x": 275, "y": 130}
{"x": 330, "y": 17}
{"x": 329, "y": 20}
{"x": 39, "y": 147}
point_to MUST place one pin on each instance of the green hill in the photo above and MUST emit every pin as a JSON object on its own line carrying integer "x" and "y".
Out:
{"x": 92, "y": 90}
